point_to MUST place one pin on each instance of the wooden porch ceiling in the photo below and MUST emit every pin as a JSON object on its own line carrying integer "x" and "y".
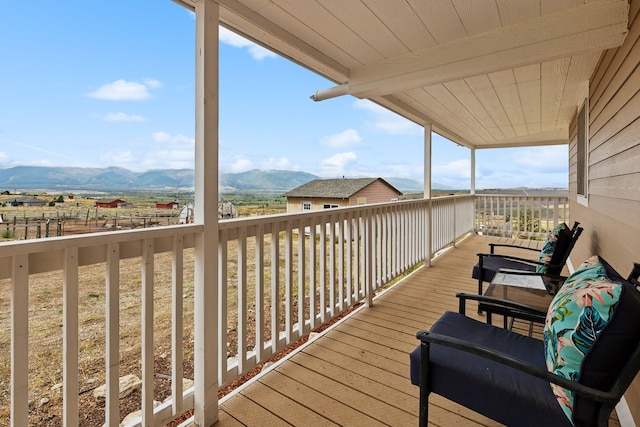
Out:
{"x": 483, "y": 73}
{"x": 358, "y": 372}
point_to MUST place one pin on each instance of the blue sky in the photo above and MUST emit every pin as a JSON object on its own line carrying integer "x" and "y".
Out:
{"x": 110, "y": 83}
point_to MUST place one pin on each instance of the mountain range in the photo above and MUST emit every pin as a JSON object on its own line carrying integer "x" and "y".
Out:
{"x": 21, "y": 178}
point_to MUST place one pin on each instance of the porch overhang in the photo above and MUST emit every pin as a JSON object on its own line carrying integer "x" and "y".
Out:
{"x": 484, "y": 74}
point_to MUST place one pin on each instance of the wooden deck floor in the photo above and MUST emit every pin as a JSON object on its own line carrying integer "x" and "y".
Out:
{"x": 357, "y": 373}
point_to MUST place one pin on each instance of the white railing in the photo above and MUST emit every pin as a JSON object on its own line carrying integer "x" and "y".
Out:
{"x": 279, "y": 278}
{"x": 452, "y": 219}
{"x": 79, "y": 258}
{"x": 519, "y": 216}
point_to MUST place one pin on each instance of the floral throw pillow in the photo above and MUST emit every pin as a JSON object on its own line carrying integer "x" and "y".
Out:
{"x": 549, "y": 247}
{"x": 576, "y": 317}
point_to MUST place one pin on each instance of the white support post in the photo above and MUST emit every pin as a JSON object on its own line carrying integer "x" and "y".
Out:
{"x": 427, "y": 192}
{"x": 473, "y": 171}
{"x": 473, "y": 188}
{"x": 206, "y": 214}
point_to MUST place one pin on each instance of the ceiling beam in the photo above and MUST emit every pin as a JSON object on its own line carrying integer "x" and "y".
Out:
{"x": 593, "y": 26}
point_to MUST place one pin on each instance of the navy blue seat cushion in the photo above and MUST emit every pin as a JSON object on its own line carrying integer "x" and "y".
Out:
{"x": 491, "y": 265}
{"x": 490, "y": 388}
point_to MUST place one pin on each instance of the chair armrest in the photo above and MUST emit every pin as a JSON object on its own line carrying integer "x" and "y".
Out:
{"x": 634, "y": 275}
{"x": 510, "y": 257}
{"x": 492, "y": 247}
{"x": 499, "y": 302}
{"x": 592, "y": 393}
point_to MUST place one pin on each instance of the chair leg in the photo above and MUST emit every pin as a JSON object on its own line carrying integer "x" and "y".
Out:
{"x": 424, "y": 384}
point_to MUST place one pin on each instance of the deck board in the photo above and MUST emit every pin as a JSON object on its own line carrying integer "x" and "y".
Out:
{"x": 357, "y": 373}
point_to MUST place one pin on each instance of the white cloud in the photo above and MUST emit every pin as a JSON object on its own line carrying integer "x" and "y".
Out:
{"x": 411, "y": 171}
{"x": 548, "y": 158}
{"x": 275, "y": 163}
{"x": 345, "y": 139}
{"x": 533, "y": 167}
{"x": 456, "y": 169}
{"x": 170, "y": 151}
{"x": 152, "y": 83}
{"x": 166, "y": 138}
{"x": 122, "y": 117}
{"x": 238, "y": 164}
{"x": 4, "y": 158}
{"x": 232, "y": 39}
{"x": 121, "y": 90}
{"x": 386, "y": 121}
{"x": 337, "y": 164}
{"x": 122, "y": 158}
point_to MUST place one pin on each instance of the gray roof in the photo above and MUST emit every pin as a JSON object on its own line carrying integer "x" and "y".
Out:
{"x": 27, "y": 200}
{"x": 341, "y": 188}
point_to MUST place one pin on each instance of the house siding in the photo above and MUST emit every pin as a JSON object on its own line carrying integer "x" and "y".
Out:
{"x": 294, "y": 204}
{"x": 610, "y": 221}
{"x": 376, "y": 192}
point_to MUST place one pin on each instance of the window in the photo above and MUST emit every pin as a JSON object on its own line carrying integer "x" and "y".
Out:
{"x": 583, "y": 154}
{"x": 306, "y": 206}
{"x": 329, "y": 206}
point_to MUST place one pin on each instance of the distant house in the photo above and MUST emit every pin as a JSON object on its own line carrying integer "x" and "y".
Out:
{"x": 111, "y": 203}
{"x": 28, "y": 202}
{"x": 170, "y": 205}
{"x": 334, "y": 193}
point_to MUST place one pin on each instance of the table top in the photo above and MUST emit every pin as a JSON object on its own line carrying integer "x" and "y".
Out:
{"x": 527, "y": 290}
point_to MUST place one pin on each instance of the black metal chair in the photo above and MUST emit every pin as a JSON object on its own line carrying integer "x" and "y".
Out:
{"x": 518, "y": 310}
{"x": 503, "y": 375}
{"x": 490, "y": 263}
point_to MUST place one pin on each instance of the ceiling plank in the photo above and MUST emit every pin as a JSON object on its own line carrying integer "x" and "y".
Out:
{"x": 504, "y": 83}
{"x": 352, "y": 13}
{"x": 440, "y": 17}
{"x": 404, "y": 22}
{"x": 477, "y": 16}
{"x": 594, "y": 26}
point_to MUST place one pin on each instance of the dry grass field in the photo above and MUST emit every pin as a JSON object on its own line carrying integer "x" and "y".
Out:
{"x": 45, "y": 330}
{"x": 46, "y": 309}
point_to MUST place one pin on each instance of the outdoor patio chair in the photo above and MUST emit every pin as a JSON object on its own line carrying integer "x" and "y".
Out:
{"x": 550, "y": 262}
{"x": 589, "y": 356}
{"x": 515, "y": 309}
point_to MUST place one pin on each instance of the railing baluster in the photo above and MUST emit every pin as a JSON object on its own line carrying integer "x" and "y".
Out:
{"x": 313, "y": 281}
{"x": 332, "y": 266}
{"x": 147, "y": 331}
{"x": 112, "y": 332}
{"x": 20, "y": 340}
{"x": 259, "y": 294}
{"x": 323, "y": 270}
{"x": 357, "y": 256}
{"x": 70, "y": 337}
{"x": 288, "y": 282}
{"x": 242, "y": 300}
{"x": 223, "y": 304}
{"x": 340, "y": 264}
{"x": 177, "y": 323}
{"x": 351, "y": 298}
{"x": 302, "y": 324}
{"x": 275, "y": 288}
